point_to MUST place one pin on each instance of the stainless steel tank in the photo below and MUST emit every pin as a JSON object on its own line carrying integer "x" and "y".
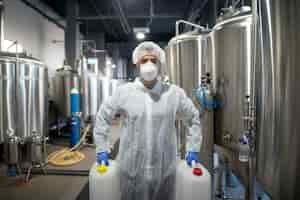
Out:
{"x": 64, "y": 81}
{"x": 188, "y": 59}
{"x": 231, "y": 43}
{"x": 91, "y": 95}
{"x": 24, "y": 97}
{"x": 95, "y": 90}
{"x": 32, "y": 101}
{"x": 278, "y": 105}
{"x": 7, "y": 97}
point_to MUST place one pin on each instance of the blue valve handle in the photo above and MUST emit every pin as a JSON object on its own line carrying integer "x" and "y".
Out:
{"x": 202, "y": 99}
{"x": 192, "y": 156}
{"x": 103, "y": 157}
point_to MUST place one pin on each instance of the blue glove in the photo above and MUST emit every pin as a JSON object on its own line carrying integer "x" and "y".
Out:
{"x": 102, "y": 157}
{"x": 190, "y": 157}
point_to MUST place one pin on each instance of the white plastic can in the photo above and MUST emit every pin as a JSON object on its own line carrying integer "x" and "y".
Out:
{"x": 105, "y": 186}
{"x": 192, "y": 183}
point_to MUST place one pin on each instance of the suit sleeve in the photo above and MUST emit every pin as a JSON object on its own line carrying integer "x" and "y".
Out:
{"x": 103, "y": 122}
{"x": 191, "y": 121}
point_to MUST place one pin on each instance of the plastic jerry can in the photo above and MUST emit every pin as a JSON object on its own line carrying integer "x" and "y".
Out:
{"x": 104, "y": 182}
{"x": 192, "y": 183}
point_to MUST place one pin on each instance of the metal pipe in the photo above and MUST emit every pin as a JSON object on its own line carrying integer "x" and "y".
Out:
{"x": 187, "y": 23}
{"x": 218, "y": 170}
{"x": 12, "y": 44}
{"x": 113, "y": 17}
{"x": 1, "y": 24}
{"x": 121, "y": 14}
{"x": 195, "y": 13}
{"x": 60, "y": 172}
{"x": 235, "y": 3}
{"x": 151, "y": 13}
{"x": 250, "y": 193}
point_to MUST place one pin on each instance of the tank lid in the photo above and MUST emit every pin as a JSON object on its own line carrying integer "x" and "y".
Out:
{"x": 231, "y": 12}
{"x": 21, "y": 56}
{"x": 233, "y": 20}
{"x": 189, "y": 35}
{"x": 66, "y": 68}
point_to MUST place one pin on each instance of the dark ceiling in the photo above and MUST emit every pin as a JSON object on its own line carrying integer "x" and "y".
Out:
{"x": 102, "y": 16}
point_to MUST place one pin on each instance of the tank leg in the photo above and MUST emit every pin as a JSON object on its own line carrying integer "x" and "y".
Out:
{"x": 250, "y": 193}
{"x": 28, "y": 174}
{"x": 218, "y": 188}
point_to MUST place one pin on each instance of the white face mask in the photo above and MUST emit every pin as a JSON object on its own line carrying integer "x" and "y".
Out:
{"x": 148, "y": 71}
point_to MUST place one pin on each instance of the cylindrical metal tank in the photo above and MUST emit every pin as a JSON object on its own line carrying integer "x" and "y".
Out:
{"x": 64, "y": 81}
{"x": 278, "y": 105}
{"x": 188, "y": 60}
{"x": 231, "y": 43}
{"x": 32, "y": 101}
{"x": 7, "y": 97}
{"x": 92, "y": 95}
{"x": 95, "y": 88}
{"x": 23, "y": 97}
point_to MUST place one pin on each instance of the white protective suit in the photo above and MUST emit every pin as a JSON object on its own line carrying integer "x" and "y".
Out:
{"x": 148, "y": 143}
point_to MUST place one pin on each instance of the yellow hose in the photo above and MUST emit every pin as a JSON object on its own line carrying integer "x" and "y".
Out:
{"x": 68, "y": 156}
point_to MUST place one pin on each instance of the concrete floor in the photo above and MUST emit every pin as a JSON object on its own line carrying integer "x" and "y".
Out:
{"x": 43, "y": 187}
{"x": 53, "y": 187}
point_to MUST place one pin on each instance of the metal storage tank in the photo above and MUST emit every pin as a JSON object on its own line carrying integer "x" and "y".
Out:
{"x": 7, "y": 97}
{"x": 186, "y": 66}
{"x": 91, "y": 88}
{"x": 188, "y": 59}
{"x": 64, "y": 80}
{"x": 91, "y": 95}
{"x": 95, "y": 88}
{"x": 24, "y": 97}
{"x": 278, "y": 105}
{"x": 231, "y": 42}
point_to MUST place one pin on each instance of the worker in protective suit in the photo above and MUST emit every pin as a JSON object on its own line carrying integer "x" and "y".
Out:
{"x": 148, "y": 144}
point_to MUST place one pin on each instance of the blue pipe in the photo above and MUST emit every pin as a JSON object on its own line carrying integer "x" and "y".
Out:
{"x": 75, "y": 119}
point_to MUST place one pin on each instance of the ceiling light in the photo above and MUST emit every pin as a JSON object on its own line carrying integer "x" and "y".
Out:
{"x": 140, "y": 36}
{"x": 113, "y": 66}
{"x": 140, "y": 32}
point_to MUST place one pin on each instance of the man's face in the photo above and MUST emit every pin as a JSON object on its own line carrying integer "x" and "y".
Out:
{"x": 147, "y": 58}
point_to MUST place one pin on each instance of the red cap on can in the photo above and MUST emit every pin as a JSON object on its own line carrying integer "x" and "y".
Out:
{"x": 197, "y": 171}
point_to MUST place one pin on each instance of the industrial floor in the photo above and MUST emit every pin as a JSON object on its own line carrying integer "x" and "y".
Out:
{"x": 46, "y": 188}
{"x": 53, "y": 186}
